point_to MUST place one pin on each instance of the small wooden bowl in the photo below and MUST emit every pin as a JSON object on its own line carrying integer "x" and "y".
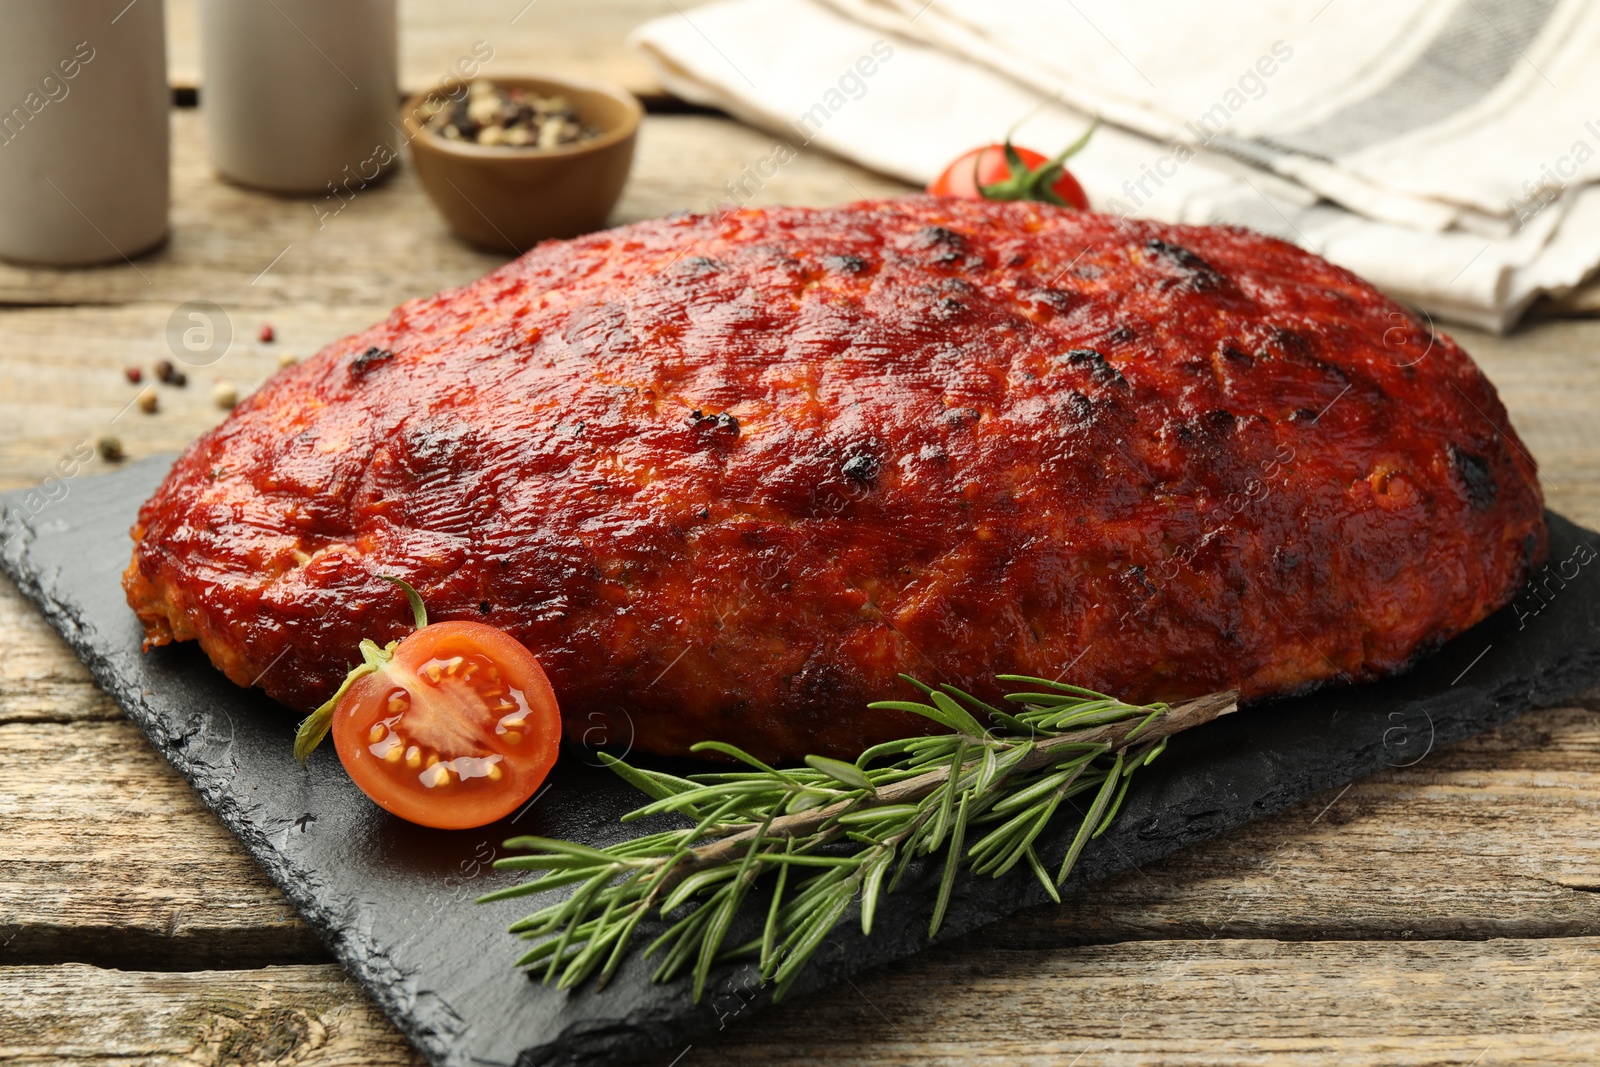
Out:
{"x": 507, "y": 199}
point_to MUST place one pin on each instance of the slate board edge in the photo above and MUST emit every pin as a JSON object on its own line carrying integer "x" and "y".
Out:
{"x": 652, "y": 1031}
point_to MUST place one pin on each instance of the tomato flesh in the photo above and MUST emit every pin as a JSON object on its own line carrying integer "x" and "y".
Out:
{"x": 457, "y": 730}
{"x": 966, "y": 177}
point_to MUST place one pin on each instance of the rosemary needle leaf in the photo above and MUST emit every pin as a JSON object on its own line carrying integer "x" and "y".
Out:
{"x": 805, "y": 800}
{"x": 907, "y": 850}
{"x": 939, "y": 715}
{"x": 650, "y": 783}
{"x": 1116, "y": 805}
{"x": 683, "y": 938}
{"x": 952, "y": 861}
{"x": 960, "y": 716}
{"x": 846, "y": 774}
{"x": 1155, "y": 713}
{"x": 888, "y": 748}
{"x": 871, "y": 887}
{"x": 813, "y": 932}
{"x": 947, "y": 797}
{"x": 694, "y": 884}
{"x": 879, "y": 814}
{"x": 991, "y": 768}
{"x": 804, "y": 860}
{"x": 1044, "y": 876}
{"x": 1010, "y": 722}
{"x": 619, "y": 946}
{"x": 739, "y": 754}
{"x": 1025, "y": 797}
{"x": 548, "y": 948}
{"x": 562, "y": 848}
{"x": 1060, "y": 687}
{"x": 968, "y": 698}
{"x": 769, "y": 932}
{"x": 538, "y": 885}
{"x": 1095, "y": 810}
{"x": 579, "y": 904}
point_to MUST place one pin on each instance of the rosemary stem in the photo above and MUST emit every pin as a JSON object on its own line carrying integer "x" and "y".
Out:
{"x": 1174, "y": 720}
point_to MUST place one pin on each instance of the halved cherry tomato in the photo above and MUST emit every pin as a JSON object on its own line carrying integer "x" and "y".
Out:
{"x": 453, "y": 727}
{"x": 457, "y": 730}
{"x": 1010, "y": 172}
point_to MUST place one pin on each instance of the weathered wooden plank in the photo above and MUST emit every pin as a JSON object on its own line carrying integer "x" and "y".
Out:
{"x": 1549, "y": 379}
{"x": 311, "y": 1015}
{"x": 1199, "y": 1002}
{"x": 572, "y": 37}
{"x": 62, "y": 386}
{"x": 578, "y": 38}
{"x": 111, "y": 856}
{"x": 1147, "y": 1003}
{"x": 385, "y": 243}
{"x": 41, "y": 681}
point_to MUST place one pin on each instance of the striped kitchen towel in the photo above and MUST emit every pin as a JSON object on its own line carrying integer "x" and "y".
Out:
{"x": 1445, "y": 149}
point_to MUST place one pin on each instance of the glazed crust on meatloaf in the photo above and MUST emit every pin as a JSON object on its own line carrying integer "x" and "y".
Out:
{"x": 728, "y": 476}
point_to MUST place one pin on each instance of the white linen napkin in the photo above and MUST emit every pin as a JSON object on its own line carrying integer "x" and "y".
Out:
{"x": 903, "y": 91}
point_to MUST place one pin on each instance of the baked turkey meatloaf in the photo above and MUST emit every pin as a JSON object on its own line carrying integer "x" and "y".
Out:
{"x": 728, "y": 476}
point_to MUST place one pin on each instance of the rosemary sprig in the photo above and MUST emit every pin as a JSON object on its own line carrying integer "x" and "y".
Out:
{"x": 831, "y": 830}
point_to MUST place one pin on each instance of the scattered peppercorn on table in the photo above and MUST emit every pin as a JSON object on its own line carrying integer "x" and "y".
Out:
{"x": 1442, "y": 913}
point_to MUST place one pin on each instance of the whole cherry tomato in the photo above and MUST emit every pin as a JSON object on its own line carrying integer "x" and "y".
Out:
{"x": 1010, "y": 172}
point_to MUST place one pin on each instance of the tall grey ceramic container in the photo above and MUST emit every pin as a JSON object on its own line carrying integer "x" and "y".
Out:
{"x": 299, "y": 95}
{"x": 83, "y": 130}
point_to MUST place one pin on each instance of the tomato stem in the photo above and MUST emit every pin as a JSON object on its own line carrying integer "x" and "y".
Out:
{"x": 419, "y": 611}
{"x": 319, "y": 722}
{"x": 315, "y": 728}
{"x": 1024, "y": 183}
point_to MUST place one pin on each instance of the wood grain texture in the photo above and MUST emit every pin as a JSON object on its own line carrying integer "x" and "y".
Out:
{"x": 311, "y": 1015}
{"x": 111, "y": 857}
{"x": 1199, "y": 1002}
{"x": 1146, "y": 1003}
{"x": 40, "y": 680}
{"x": 572, "y": 37}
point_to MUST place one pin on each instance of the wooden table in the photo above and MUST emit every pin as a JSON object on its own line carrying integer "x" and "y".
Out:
{"x": 1443, "y": 913}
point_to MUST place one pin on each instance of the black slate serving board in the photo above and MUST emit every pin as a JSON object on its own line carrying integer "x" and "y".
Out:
{"x": 394, "y": 901}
